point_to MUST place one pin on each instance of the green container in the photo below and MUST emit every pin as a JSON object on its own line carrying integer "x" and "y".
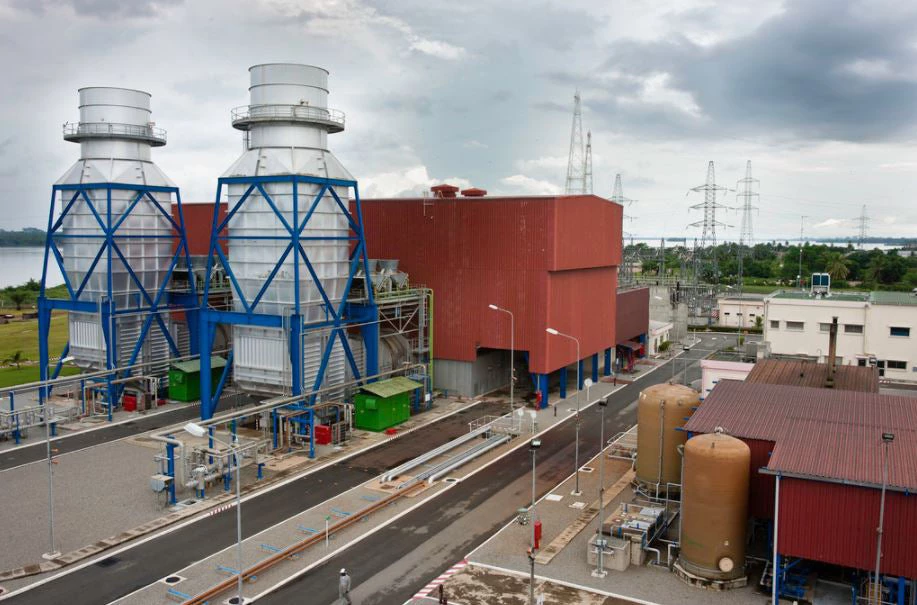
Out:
{"x": 185, "y": 378}
{"x": 384, "y": 404}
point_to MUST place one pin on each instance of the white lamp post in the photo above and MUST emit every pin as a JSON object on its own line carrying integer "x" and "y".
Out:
{"x": 533, "y": 447}
{"x": 887, "y": 438}
{"x": 199, "y": 431}
{"x": 512, "y": 351}
{"x": 599, "y": 571}
{"x": 52, "y": 552}
{"x": 553, "y": 332}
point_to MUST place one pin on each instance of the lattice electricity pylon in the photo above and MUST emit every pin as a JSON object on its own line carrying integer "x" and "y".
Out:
{"x": 587, "y": 165}
{"x": 340, "y": 316}
{"x": 709, "y": 223}
{"x": 150, "y": 305}
{"x": 576, "y": 167}
{"x": 746, "y": 237}
{"x": 863, "y": 226}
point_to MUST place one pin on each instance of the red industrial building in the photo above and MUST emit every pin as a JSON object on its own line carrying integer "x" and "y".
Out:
{"x": 631, "y": 324}
{"x": 552, "y": 261}
{"x": 825, "y": 452}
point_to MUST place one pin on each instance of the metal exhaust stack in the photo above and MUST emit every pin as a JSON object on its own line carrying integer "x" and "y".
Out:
{"x": 832, "y": 354}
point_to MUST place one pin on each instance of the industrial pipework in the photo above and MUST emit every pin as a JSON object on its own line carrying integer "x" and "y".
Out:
{"x": 114, "y": 243}
{"x": 294, "y": 246}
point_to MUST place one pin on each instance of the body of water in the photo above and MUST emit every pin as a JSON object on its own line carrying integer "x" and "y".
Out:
{"x": 19, "y": 265}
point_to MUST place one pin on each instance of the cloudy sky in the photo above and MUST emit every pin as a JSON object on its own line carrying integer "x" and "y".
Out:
{"x": 821, "y": 96}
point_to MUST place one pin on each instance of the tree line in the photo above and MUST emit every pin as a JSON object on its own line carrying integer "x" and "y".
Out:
{"x": 778, "y": 263}
{"x": 26, "y": 237}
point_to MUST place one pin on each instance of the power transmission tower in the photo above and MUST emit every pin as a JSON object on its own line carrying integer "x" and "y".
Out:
{"x": 709, "y": 224}
{"x": 587, "y": 165}
{"x": 863, "y": 221}
{"x": 629, "y": 259}
{"x": 802, "y": 227}
{"x": 576, "y": 166}
{"x": 746, "y": 236}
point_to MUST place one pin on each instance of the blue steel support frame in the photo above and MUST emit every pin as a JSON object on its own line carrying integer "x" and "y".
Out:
{"x": 148, "y": 302}
{"x": 607, "y": 370}
{"x": 563, "y": 383}
{"x": 339, "y": 317}
{"x": 595, "y": 368}
{"x": 580, "y": 375}
{"x": 543, "y": 381}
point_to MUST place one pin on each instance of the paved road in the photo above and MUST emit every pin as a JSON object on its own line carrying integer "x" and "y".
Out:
{"x": 121, "y": 574}
{"x": 78, "y": 441}
{"x": 393, "y": 564}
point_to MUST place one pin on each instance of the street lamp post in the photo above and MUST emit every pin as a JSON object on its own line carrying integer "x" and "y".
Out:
{"x": 553, "y": 332}
{"x": 512, "y": 352}
{"x": 599, "y": 571}
{"x": 534, "y": 444}
{"x": 52, "y": 553}
{"x": 199, "y": 431}
{"x": 887, "y": 438}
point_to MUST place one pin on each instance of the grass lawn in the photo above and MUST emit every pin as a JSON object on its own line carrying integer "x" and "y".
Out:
{"x": 13, "y": 376}
{"x": 23, "y": 336}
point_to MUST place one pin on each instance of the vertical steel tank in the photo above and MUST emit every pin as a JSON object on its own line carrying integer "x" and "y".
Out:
{"x": 287, "y": 124}
{"x": 116, "y": 134}
{"x": 714, "y": 507}
{"x": 662, "y": 410}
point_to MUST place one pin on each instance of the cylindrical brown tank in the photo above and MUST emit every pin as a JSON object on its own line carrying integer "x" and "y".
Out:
{"x": 662, "y": 410}
{"x": 714, "y": 506}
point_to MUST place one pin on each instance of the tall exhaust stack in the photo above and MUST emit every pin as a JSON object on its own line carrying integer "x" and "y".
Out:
{"x": 112, "y": 234}
{"x": 289, "y": 236}
{"x": 832, "y": 353}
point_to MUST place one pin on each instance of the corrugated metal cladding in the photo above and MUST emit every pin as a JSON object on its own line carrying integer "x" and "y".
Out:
{"x": 633, "y": 314}
{"x": 552, "y": 261}
{"x": 837, "y": 524}
{"x": 198, "y": 224}
{"x": 761, "y": 486}
{"x": 811, "y": 374}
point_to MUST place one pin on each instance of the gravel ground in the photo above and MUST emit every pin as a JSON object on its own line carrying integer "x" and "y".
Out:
{"x": 97, "y": 493}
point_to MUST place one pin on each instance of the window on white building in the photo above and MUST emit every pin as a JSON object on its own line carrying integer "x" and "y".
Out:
{"x": 796, "y": 326}
{"x": 823, "y": 327}
{"x": 896, "y": 365}
{"x": 775, "y": 324}
{"x": 853, "y": 328}
{"x": 899, "y": 331}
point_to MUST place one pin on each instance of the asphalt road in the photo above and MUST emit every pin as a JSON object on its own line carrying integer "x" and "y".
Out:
{"x": 391, "y": 565}
{"x": 116, "y": 576}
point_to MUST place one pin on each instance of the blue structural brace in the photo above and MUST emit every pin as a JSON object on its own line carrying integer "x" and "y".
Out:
{"x": 543, "y": 380}
{"x": 607, "y": 370}
{"x": 580, "y": 374}
{"x": 339, "y": 316}
{"x": 563, "y": 383}
{"x": 150, "y": 304}
{"x": 595, "y": 367}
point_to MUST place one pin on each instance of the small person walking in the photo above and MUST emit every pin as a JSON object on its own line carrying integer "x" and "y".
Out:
{"x": 344, "y": 588}
{"x": 442, "y": 596}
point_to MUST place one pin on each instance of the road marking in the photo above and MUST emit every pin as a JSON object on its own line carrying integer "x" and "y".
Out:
{"x": 441, "y": 579}
{"x": 204, "y": 514}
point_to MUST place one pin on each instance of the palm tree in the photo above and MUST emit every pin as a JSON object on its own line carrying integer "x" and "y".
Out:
{"x": 837, "y": 266}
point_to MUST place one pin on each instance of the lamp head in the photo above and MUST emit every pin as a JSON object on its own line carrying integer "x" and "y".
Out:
{"x": 603, "y": 402}
{"x": 535, "y": 443}
{"x": 888, "y": 437}
{"x": 552, "y": 331}
{"x": 195, "y": 429}
{"x": 494, "y": 307}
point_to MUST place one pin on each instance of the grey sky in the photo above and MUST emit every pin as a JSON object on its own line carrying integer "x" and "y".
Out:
{"x": 821, "y": 95}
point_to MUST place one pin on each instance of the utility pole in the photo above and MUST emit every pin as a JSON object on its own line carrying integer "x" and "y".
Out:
{"x": 629, "y": 259}
{"x": 802, "y": 224}
{"x": 576, "y": 165}
{"x": 863, "y": 221}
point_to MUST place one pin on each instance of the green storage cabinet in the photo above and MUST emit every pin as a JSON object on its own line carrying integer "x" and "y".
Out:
{"x": 384, "y": 404}
{"x": 185, "y": 378}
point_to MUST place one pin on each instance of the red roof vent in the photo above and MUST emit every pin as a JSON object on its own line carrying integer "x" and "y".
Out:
{"x": 474, "y": 192}
{"x": 444, "y": 190}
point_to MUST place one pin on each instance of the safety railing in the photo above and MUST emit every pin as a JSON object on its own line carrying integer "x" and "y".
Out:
{"x": 267, "y": 113}
{"x": 113, "y": 129}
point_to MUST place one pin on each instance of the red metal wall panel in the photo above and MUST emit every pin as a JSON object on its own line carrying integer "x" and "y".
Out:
{"x": 761, "y": 486}
{"x": 633, "y": 314}
{"x": 475, "y": 252}
{"x": 198, "y": 224}
{"x": 837, "y": 524}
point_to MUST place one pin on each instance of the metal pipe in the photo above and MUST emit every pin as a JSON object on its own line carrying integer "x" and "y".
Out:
{"x": 774, "y": 575}
{"x": 658, "y": 554}
{"x": 600, "y": 562}
{"x": 431, "y": 454}
{"x": 466, "y": 457}
{"x": 51, "y": 552}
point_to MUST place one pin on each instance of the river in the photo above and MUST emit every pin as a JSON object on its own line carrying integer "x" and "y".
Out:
{"x": 19, "y": 265}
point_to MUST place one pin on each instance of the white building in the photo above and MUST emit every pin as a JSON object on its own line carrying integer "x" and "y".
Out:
{"x": 877, "y": 328}
{"x": 660, "y": 332}
{"x": 740, "y": 312}
{"x": 715, "y": 370}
